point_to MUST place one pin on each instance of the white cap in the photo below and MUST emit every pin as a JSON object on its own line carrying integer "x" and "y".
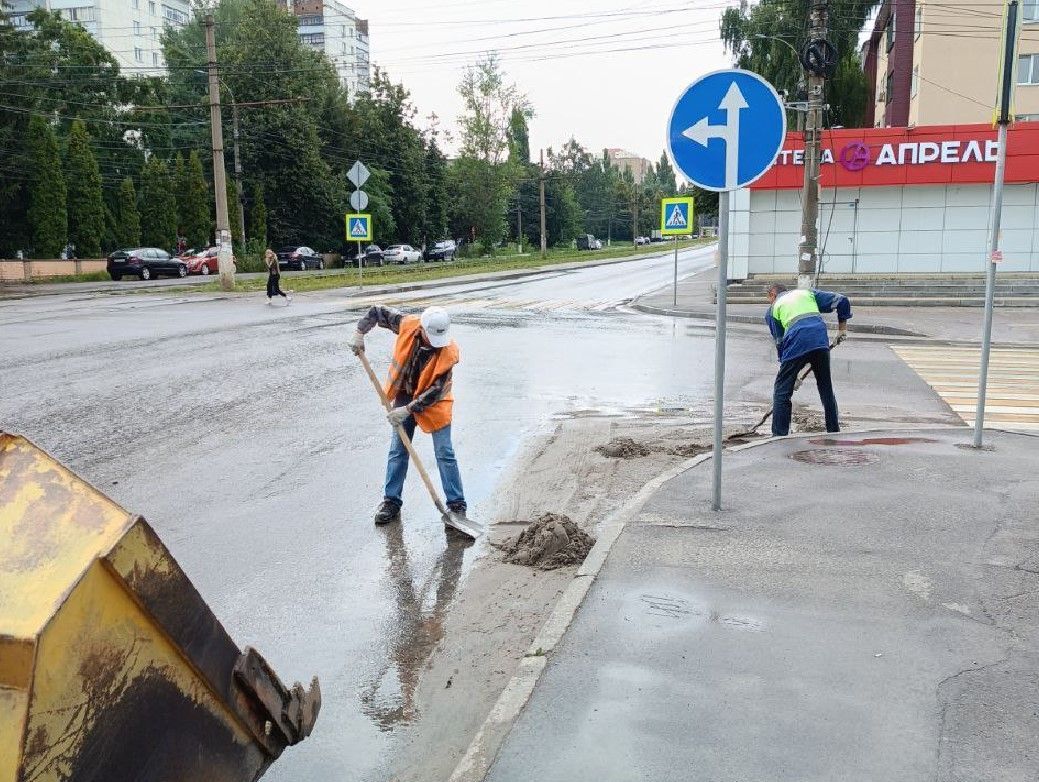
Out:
{"x": 435, "y": 324}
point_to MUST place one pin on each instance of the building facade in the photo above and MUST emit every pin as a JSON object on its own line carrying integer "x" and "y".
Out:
{"x": 929, "y": 62}
{"x": 629, "y": 161}
{"x": 129, "y": 29}
{"x": 332, "y": 28}
{"x": 894, "y": 201}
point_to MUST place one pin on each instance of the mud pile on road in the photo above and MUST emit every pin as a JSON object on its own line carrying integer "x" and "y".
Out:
{"x": 550, "y": 541}
{"x": 624, "y": 448}
{"x": 808, "y": 421}
{"x": 689, "y": 450}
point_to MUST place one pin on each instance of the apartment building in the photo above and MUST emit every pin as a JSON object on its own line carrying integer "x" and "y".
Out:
{"x": 333, "y": 29}
{"x": 629, "y": 161}
{"x": 129, "y": 29}
{"x": 930, "y": 62}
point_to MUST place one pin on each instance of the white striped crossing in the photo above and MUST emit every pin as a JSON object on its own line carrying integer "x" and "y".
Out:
{"x": 476, "y": 302}
{"x": 1012, "y": 394}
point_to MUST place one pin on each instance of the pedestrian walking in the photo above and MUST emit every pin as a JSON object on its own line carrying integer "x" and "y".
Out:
{"x": 419, "y": 385}
{"x": 795, "y": 319}
{"x": 274, "y": 278}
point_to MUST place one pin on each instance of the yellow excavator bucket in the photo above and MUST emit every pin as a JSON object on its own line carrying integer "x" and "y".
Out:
{"x": 112, "y": 666}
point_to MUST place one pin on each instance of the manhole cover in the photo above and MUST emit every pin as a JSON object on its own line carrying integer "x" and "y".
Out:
{"x": 837, "y": 457}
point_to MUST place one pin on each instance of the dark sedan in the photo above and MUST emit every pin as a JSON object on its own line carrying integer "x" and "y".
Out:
{"x": 441, "y": 251}
{"x": 371, "y": 256}
{"x": 299, "y": 259}
{"x": 145, "y": 263}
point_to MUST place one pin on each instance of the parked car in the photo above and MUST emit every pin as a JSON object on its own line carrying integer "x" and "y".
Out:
{"x": 299, "y": 259}
{"x": 145, "y": 263}
{"x": 588, "y": 242}
{"x": 372, "y": 255}
{"x": 204, "y": 262}
{"x": 401, "y": 253}
{"x": 441, "y": 251}
{"x": 641, "y": 240}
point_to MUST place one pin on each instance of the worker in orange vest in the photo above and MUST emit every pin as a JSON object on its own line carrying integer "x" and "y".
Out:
{"x": 419, "y": 386}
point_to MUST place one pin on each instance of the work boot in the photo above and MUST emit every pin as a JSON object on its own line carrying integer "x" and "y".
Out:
{"x": 458, "y": 508}
{"x": 388, "y": 513}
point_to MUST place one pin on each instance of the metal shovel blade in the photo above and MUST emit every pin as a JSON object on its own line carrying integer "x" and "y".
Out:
{"x": 458, "y": 522}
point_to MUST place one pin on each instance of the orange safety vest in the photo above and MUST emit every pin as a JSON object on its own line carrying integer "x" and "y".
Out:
{"x": 438, "y": 414}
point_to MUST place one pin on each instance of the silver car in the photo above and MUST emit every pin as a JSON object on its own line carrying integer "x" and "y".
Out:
{"x": 401, "y": 253}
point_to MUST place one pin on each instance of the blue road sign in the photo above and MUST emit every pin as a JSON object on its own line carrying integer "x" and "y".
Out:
{"x": 726, "y": 129}
{"x": 359, "y": 227}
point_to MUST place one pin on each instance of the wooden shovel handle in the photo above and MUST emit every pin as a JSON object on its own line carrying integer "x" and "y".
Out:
{"x": 403, "y": 435}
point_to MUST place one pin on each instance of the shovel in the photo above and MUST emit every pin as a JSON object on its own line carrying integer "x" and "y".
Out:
{"x": 804, "y": 374}
{"x": 451, "y": 519}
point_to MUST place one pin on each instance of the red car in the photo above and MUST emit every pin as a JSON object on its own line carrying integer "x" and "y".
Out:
{"x": 204, "y": 261}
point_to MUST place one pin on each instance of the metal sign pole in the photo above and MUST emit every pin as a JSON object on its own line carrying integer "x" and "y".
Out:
{"x": 1006, "y": 97}
{"x": 360, "y": 266}
{"x": 719, "y": 344}
{"x": 674, "y": 297}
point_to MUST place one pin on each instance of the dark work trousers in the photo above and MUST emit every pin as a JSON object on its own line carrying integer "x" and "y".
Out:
{"x": 784, "y": 390}
{"x": 274, "y": 286}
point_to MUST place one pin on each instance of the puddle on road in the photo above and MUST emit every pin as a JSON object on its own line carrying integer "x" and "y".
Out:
{"x": 418, "y": 626}
{"x": 872, "y": 441}
{"x": 678, "y": 608}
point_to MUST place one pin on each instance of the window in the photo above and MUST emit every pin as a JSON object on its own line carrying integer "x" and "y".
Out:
{"x": 136, "y": 27}
{"x": 310, "y": 21}
{"x": 81, "y": 14}
{"x": 918, "y": 22}
{"x": 1026, "y": 118}
{"x": 174, "y": 16}
{"x": 138, "y": 55}
{"x": 313, "y": 39}
{"x": 914, "y": 85}
{"x": 155, "y": 59}
{"x": 137, "y": 5}
{"x": 1028, "y": 69}
{"x": 889, "y": 32}
{"x": 1031, "y": 10}
{"x": 889, "y": 86}
{"x": 151, "y": 7}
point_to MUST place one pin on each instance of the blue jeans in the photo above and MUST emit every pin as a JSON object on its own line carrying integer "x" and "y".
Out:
{"x": 784, "y": 390}
{"x": 397, "y": 465}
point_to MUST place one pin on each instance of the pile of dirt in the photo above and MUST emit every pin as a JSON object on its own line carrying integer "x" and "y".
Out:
{"x": 550, "y": 541}
{"x": 624, "y": 448}
{"x": 689, "y": 450}
{"x": 808, "y": 421}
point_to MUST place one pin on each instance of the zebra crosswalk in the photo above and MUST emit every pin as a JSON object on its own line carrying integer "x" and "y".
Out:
{"x": 1012, "y": 396}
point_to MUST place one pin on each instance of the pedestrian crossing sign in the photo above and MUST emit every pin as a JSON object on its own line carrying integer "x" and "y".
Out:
{"x": 358, "y": 227}
{"x": 676, "y": 216}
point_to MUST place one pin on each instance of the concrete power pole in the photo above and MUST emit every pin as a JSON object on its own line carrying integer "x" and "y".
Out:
{"x": 223, "y": 232}
{"x": 238, "y": 172}
{"x": 541, "y": 182}
{"x": 808, "y": 249}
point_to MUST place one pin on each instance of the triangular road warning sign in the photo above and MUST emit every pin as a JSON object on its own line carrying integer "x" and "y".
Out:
{"x": 677, "y": 217}
{"x": 360, "y": 229}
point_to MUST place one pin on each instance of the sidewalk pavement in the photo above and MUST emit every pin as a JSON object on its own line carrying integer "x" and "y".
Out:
{"x": 1010, "y": 326}
{"x": 860, "y": 611}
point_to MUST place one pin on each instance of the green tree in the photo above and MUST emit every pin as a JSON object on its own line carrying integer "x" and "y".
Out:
{"x": 478, "y": 192}
{"x": 380, "y": 199}
{"x": 563, "y": 218}
{"x": 128, "y": 219}
{"x": 194, "y": 201}
{"x": 232, "y": 212}
{"x": 436, "y": 194}
{"x": 257, "y": 226}
{"x": 158, "y": 206}
{"x": 763, "y": 37}
{"x": 47, "y": 212}
{"x": 86, "y": 206}
{"x": 665, "y": 176}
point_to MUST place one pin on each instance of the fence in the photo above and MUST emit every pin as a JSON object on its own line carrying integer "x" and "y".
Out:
{"x": 36, "y": 269}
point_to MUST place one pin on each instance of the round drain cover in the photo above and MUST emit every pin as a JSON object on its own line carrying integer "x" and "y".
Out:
{"x": 837, "y": 457}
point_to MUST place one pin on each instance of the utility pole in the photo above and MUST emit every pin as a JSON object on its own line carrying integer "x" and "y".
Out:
{"x": 223, "y": 233}
{"x": 634, "y": 213}
{"x": 808, "y": 250}
{"x": 1006, "y": 93}
{"x": 519, "y": 220}
{"x": 238, "y": 172}
{"x": 541, "y": 182}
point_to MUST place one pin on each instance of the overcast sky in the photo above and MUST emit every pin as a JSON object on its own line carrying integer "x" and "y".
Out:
{"x": 606, "y": 72}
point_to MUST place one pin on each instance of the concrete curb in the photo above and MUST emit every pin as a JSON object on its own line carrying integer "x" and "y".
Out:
{"x": 483, "y": 749}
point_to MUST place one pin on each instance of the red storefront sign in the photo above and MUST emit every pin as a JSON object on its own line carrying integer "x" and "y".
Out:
{"x": 935, "y": 155}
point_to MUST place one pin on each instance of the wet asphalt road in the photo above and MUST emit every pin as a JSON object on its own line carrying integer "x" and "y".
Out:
{"x": 251, "y": 439}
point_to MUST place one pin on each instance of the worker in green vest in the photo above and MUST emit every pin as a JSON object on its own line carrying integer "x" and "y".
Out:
{"x": 795, "y": 319}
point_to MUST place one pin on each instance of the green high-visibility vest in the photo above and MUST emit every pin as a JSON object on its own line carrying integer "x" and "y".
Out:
{"x": 792, "y": 306}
